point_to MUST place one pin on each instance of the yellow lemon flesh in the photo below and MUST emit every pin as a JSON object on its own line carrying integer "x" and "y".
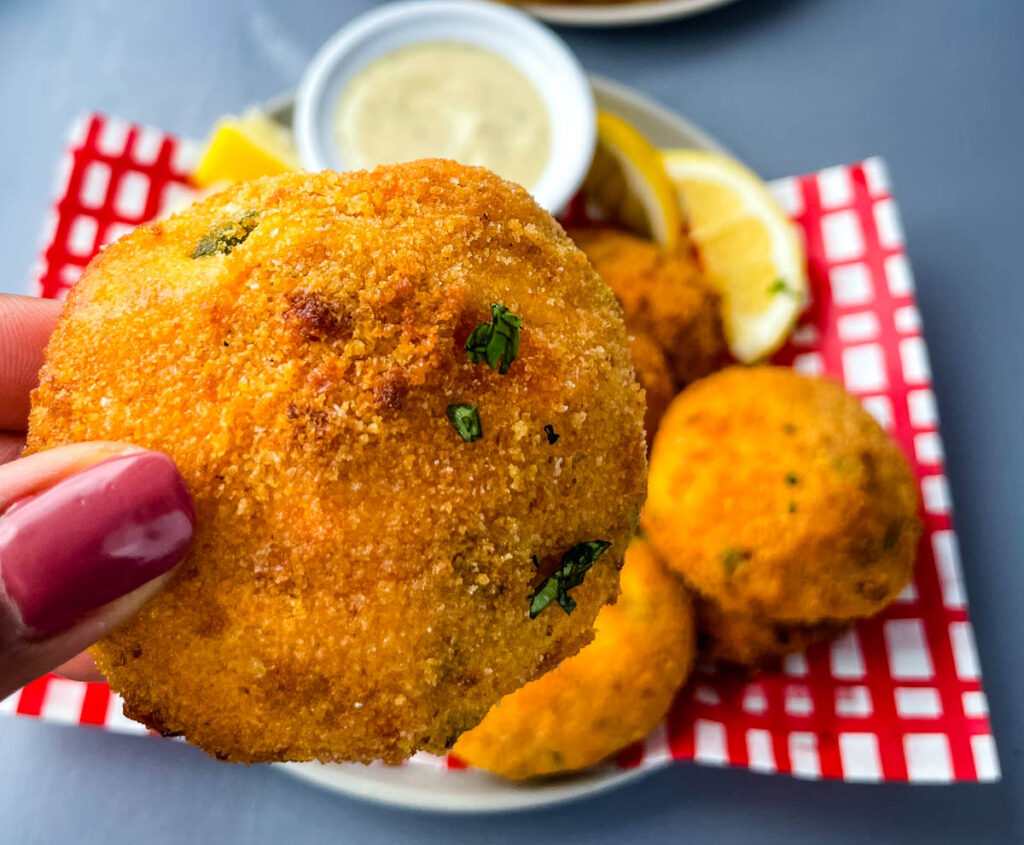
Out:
{"x": 244, "y": 148}
{"x": 749, "y": 249}
{"x": 627, "y": 183}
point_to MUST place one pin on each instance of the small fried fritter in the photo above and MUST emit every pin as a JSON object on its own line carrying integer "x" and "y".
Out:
{"x": 361, "y": 578}
{"x": 779, "y": 498}
{"x": 655, "y": 377}
{"x": 745, "y": 638}
{"x": 664, "y": 295}
{"x": 610, "y": 695}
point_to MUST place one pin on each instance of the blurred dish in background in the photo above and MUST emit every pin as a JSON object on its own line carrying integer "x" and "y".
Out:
{"x": 443, "y": 99}
{"x": 618, "y": 12}
{"x": 479, "y": 82}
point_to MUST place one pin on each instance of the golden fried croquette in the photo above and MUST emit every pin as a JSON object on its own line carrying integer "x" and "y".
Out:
{"x": 655, "y": 377}
{"x": 664, "y": 294}
{"x": 608, "y": 696}
{"x": 748, "y": 639}
{"x": 363, "y": 568}
{"x": 778, "y": 497}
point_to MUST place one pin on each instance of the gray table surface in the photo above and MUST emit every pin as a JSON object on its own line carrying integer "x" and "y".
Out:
{"x": 935, "y": 86}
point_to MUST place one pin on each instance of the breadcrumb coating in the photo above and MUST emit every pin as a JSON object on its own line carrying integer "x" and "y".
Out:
{"x": 360, "y": 578}
{"x": 655, "y": 377}
{"x": 611, "y": 694}
{"x": 664, "y": 295}
{"x": 754, "y": 641}
{"x": 779, "y": 498}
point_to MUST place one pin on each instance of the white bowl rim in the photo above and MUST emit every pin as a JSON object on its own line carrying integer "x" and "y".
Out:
{"x": 535, "y": 51}
{"x": 584, "y": 14}
{"x": 468, "y": 792}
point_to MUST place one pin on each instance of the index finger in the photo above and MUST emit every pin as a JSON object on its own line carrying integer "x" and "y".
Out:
{"x": 26, "y": 324}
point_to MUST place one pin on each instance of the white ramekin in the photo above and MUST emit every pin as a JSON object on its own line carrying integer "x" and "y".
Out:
{"x": 540, "y": 55}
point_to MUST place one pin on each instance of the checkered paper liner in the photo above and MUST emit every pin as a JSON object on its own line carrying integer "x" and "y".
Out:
{"x": 899, "y": 697}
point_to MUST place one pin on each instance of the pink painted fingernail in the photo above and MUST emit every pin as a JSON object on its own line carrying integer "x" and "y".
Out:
{"x": 93, "y": 537}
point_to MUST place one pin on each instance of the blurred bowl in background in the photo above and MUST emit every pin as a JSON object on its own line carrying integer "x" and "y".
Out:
{"x": 541, "y": 57}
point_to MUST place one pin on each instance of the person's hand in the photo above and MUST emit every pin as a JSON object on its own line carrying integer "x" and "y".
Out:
{"x": 88, "y": 532}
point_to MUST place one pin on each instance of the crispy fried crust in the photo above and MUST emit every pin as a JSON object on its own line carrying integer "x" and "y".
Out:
{"x": 747, "y": 639}
{"x": 655, "y": 377}
{"x": 359, "y": 583}
{"x": 664, "y": 295}
{"x": 779, "y": 497}
{"x": 608, "y": 696}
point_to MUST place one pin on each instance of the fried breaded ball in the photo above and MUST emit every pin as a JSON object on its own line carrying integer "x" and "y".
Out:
{"x": 779, "y": 498}
{"x": 664, "y": 295}
{"x": 610, "y": 695}
{"x": 655, "y": 377}
{"x": 362, "y": 571}
{"x": 749, "y": 639}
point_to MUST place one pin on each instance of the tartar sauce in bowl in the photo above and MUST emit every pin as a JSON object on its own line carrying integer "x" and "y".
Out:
{"x": 443, "y": 99}
{"x": 478, "y": 82}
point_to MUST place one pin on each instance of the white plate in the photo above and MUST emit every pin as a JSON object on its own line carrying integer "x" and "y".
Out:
{"x": 424, "y": 783}
{"x": 540, "y": 56}
{"x": 619, "y": 14}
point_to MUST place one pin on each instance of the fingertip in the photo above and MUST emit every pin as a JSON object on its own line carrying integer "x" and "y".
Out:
{"x": 31, "y": 474}
{"x": 94, "y": 536}
{"x": 81, "y": 667}
{"x": 26, "y": 324}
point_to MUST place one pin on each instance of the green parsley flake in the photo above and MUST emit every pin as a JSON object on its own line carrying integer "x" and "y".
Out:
{"x": 495, "y": 343}
{"x": 732, "y": 559}
{"x": 549, "y": 430}
{"x": 791, "y": 479}
{"x": 466, "y": 420}
{"x": 779, "y": 286}
{"x": 225, "y": 237}
{"x": 574, "y": 566}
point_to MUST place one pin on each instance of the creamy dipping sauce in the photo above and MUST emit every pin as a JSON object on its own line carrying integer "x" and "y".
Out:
{"x": 443, "y": 99}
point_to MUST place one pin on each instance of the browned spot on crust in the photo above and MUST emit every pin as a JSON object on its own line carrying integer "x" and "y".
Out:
{"x": 152, "y": 720}
{"x": 391, "y": 390}
{"x": 315, "y": 319}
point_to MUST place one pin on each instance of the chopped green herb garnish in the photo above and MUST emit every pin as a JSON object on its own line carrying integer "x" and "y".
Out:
{"x": 574, "y": 566}
{"x": 779, "y": 286}
{"x": 732, "y": 558}
{"x": 892, "y": 536}
{"x": 225, "y": 237}
{"x": 791, "y": 479}
{"x": 466, "y": 420}
{"x": 843, "y": 465}
{"x": 546, "y": 592}
{"x": 792, "y": 507}
{"x": 549, "y": 430}
{"x": 496, "y": 343}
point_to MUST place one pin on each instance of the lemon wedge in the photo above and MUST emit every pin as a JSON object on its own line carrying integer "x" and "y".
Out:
{"x": 748, "y": 247}
{"x": 246, "y": 147}
{"x": 627, "y": 183}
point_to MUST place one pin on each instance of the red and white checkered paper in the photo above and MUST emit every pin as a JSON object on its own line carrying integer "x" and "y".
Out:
{"x": 899, "y": 697}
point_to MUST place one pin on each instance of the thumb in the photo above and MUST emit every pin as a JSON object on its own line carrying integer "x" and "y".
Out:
{"x": 88, "y": 533}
